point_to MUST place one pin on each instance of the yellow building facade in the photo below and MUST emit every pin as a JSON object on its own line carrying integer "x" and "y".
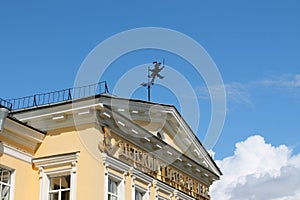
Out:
{"x": 101, "y": 147}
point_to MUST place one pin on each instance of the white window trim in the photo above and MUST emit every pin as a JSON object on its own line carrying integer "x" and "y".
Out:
{"x": 45, "y": 181}
{"x": 12, "y": 182}
{"x": 111, "y": 193}
{"x": 160, "y": 186}
{"x": 120, "y": 186}
{"x": 113, "y": 163}
{"x": 137, "y": 175}
{"x": 146, "y": 192}
{"x": 120, "y": 180}
{"x": 56, "y": 174}
{"x": 66, "y": 162}
{"x": 11, "y": 151}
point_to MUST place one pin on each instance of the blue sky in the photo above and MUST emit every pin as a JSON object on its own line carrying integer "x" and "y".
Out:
{"x": 255, "y": 45}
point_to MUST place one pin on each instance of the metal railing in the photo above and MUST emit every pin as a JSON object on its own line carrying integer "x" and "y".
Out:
{"x": 56, "y": 96}
{"x": 6, "y": 104}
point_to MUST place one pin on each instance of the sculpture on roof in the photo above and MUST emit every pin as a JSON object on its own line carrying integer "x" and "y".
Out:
{"x": 155, "y": 72}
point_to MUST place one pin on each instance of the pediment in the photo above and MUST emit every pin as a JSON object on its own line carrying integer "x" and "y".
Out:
{"x": 165, "y": 123}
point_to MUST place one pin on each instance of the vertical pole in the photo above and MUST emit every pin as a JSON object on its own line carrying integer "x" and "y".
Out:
{"x": 149, "y": 91}
{"x": 34, "y": 101}
{"x": 69, "y": 94}
{"x": 149, "y": 84}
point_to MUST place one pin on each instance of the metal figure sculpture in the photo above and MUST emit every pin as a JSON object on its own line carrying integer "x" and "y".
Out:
{"x": 154, "y": 73}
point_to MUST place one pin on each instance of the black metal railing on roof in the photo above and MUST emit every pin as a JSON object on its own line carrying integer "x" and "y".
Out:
{"x": 56, "y": 96}
{"x": 6, "y": 104}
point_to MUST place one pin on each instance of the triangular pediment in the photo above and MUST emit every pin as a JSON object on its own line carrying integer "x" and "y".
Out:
{"x": 165, "y": 123}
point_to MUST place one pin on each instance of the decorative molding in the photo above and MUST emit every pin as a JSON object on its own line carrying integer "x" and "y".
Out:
{"x": 21, "y": 134}
{"x": 18, "y": 128}
{"x": 162, "y": 154}
{"x": 11, "y": 151}
{"x": 181, "y": 195}
{"x": 68, "y": 163}
{"x": 57, "y": 160}
{"x": 142, "y": 176}
{"x": 61, "y": 116}
{"x": 58, "y": 110}
{"x": 174, "y": 120}
{"x": 114, "y": 163}
{"x": 41, "y": 171}
{"x": 121, "y": 179}
{"x": 164, "y": 187}
{"x": 202, "y": 153}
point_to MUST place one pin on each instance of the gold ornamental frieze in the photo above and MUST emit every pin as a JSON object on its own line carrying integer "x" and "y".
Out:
{"x": 151, "y": 165}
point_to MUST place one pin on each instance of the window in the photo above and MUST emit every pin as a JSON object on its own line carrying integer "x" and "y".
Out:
{"x": 57, "y": 176}
{"x": 138, "y": 195}
{"x": 141, "y": 185}
{"x": 59, "y": 187}
{"x": 5, "y": 183}
{"x": 112, "y": 189}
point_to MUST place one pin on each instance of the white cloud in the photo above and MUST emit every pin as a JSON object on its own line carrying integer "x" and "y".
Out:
{"x": 284, "y": 80}
{"x": 258, "y": 171}
{"x": 239, "y": 93}
{"x": 235, "y": 93}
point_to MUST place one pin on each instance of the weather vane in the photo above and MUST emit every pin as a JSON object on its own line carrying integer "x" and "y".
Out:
{"x": 154, "y": 73}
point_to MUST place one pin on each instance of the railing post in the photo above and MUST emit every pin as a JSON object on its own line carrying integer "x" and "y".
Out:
{"x": 69, "y": 94}
{"x": 106, "y": 88}
{"x": 34, "y": 101}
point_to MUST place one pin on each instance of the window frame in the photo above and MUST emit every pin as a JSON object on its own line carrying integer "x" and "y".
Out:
{"x": 11, "y": 183}
{"x": 142, "y": 191}
{"x": 57, "y": 165}
{"x": 161, "y": 187}
{"x": 139, "y": 179}
{"x": 110, "y": 193}
{"x": 60, "y": 190}
{"x": 121, "y": 184}
{"x": 45, "y": 185}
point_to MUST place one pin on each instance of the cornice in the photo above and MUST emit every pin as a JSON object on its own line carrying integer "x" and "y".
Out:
{"x": 114, "y": 163}
{"x": 21, "y": 135}
{"x": 20, "y": 129}
{"x": 56, "y": 160}
{"x": 163, "y": 187}
{"x": 14, "y": 152}
{"x": 141, "y": 176}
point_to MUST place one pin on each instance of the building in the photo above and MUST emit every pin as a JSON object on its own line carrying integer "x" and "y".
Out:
{"x": 97, "y": 146}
